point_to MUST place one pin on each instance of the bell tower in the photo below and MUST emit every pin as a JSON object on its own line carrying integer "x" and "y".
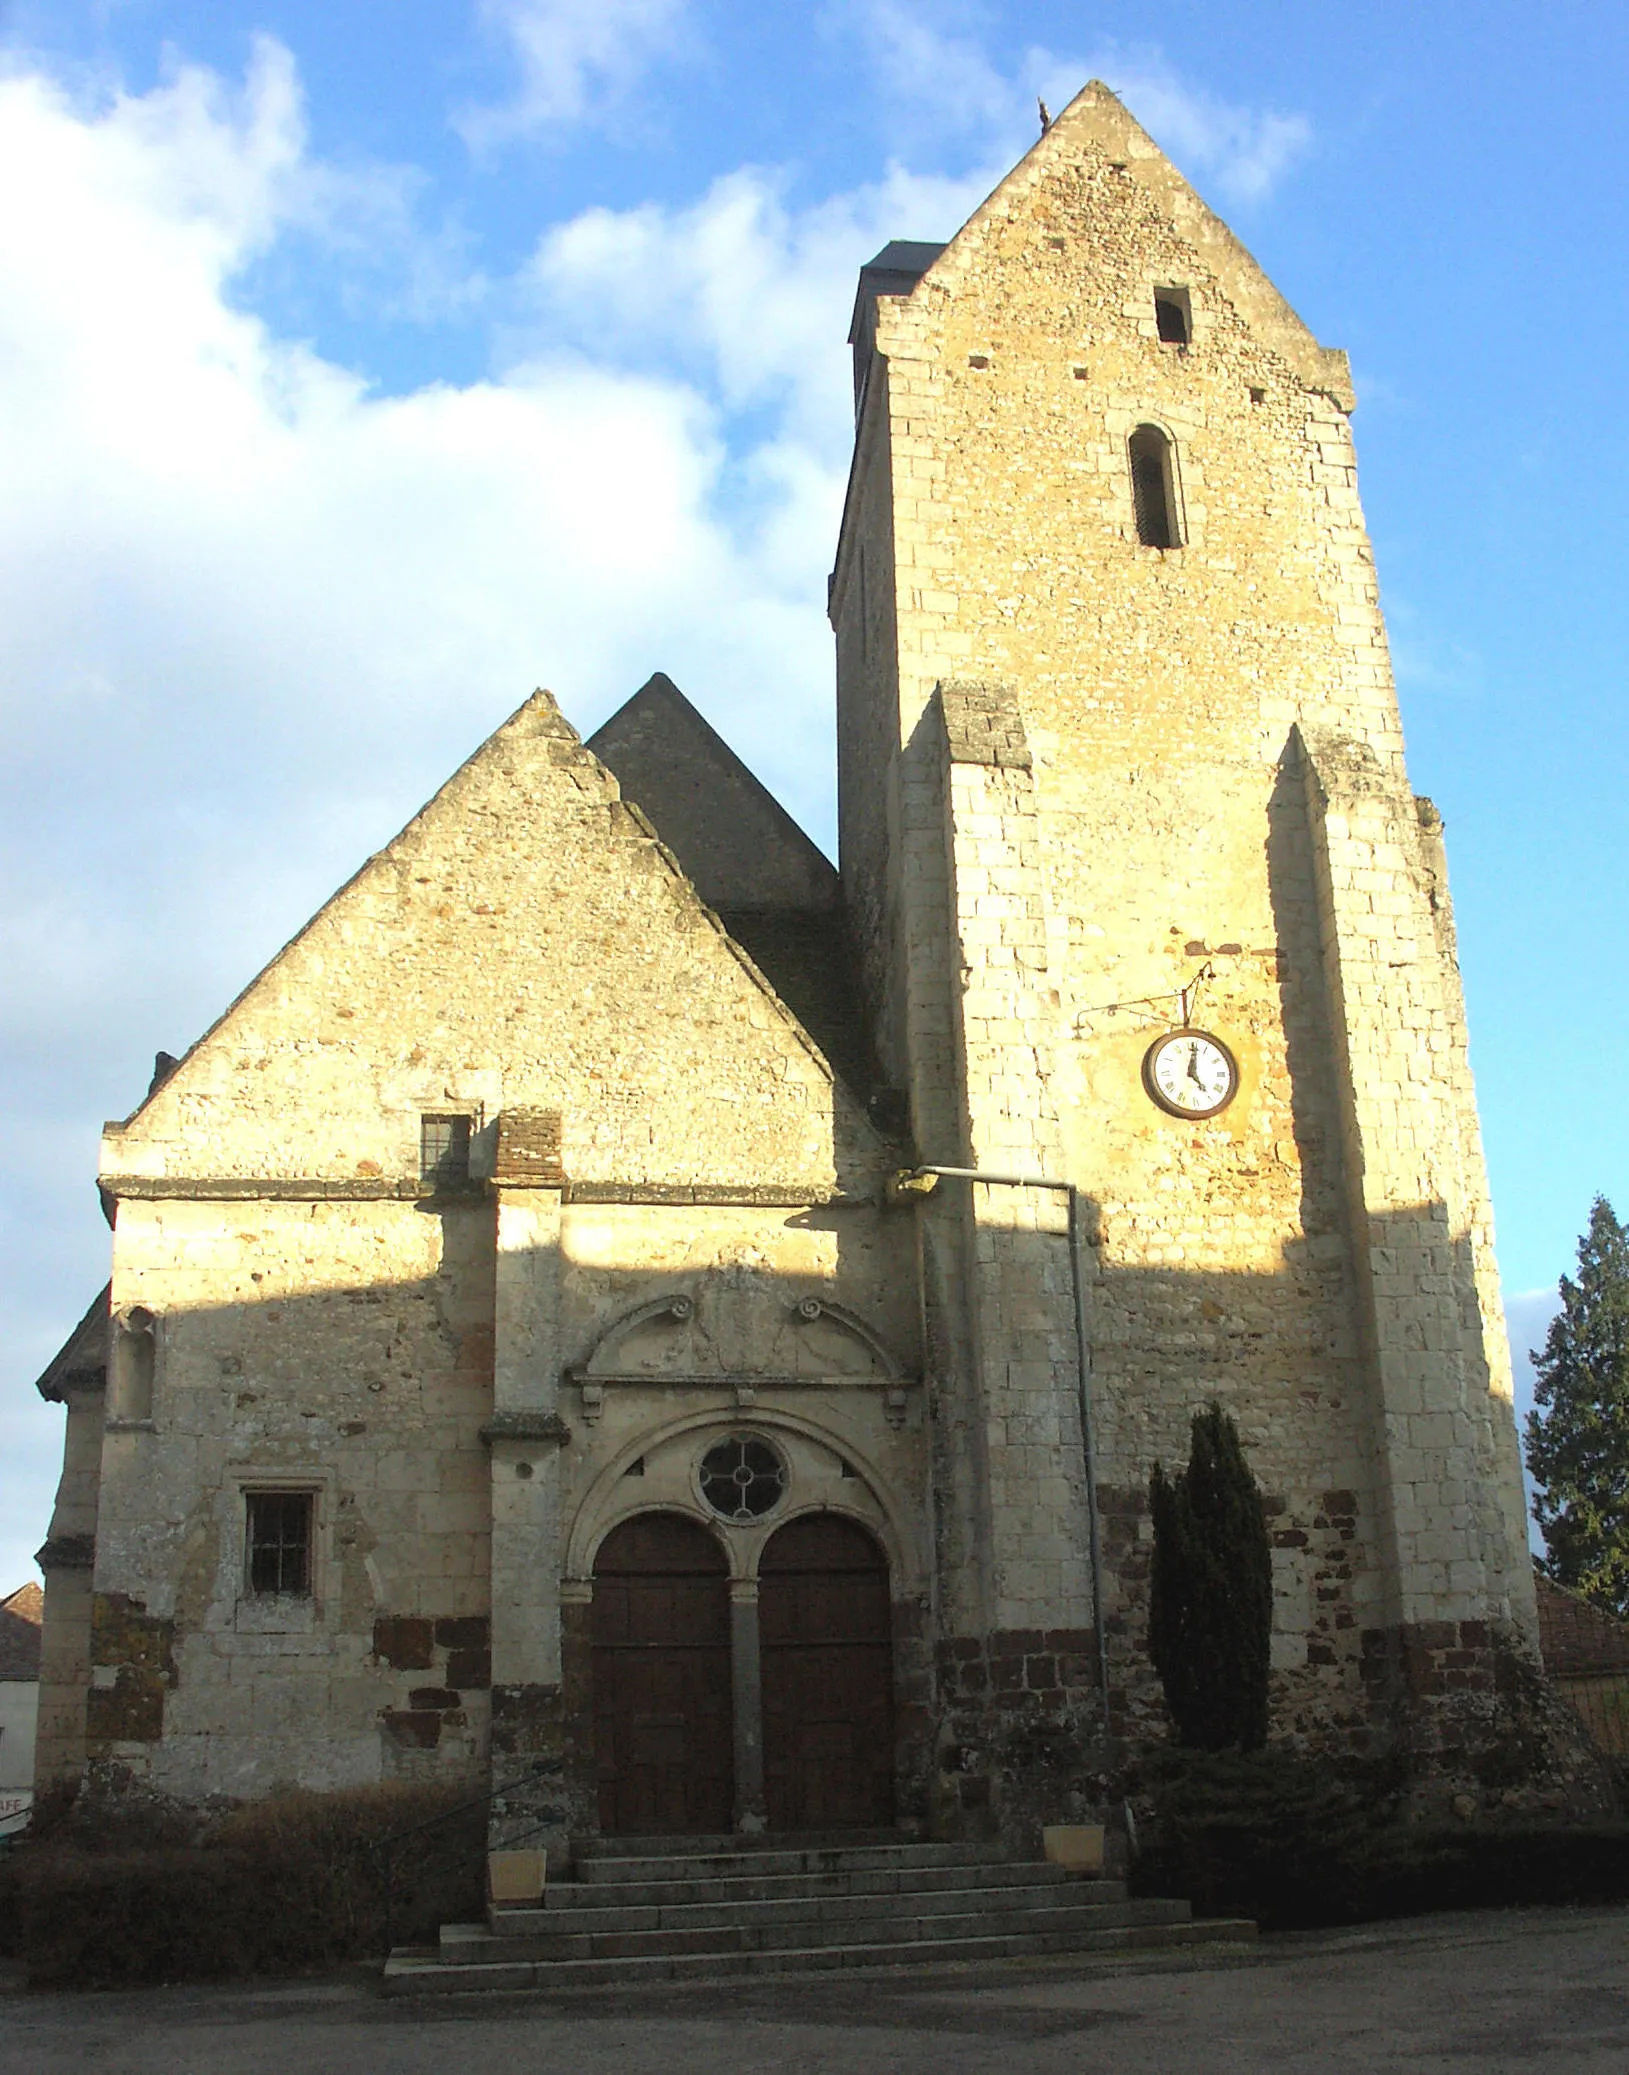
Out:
{"x": 1144, "y": 902}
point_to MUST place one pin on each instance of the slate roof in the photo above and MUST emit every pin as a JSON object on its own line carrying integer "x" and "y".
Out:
{"x": 81, "y": 1361}
{"x": 20, "y": 1618}
{"x": 1576, "y": 1637}
{"x": 773, "y": 889}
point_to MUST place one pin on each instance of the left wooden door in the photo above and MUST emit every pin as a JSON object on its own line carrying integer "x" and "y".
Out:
{"x": 663, "y": 1723}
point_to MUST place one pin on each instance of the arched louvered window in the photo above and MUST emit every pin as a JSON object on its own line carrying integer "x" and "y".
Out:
{"x": 1153, "y": 488}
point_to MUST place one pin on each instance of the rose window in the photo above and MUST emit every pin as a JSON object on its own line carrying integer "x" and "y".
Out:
{"x": 742, "y": 1479}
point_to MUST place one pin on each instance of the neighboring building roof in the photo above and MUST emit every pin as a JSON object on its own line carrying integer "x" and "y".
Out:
{"x": 734, "y": 840}
{"x": 1576, "y": 1637}
{"x": 558, "y": 879}
{"x": 774, "y": 890}
{"x": 20, "y": 1618}
{"x": 81, "y": 1362}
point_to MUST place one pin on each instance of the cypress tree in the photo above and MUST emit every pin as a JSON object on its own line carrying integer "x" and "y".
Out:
{"x": 1578, "y": 1430}
{"x": 1211, "y": 1607}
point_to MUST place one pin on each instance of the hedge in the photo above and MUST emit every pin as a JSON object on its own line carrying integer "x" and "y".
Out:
{"x": 269, "y": 1888}
{"x": 1298, "y": 1843}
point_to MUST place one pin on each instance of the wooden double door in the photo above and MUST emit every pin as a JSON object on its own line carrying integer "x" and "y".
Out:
{"x": 784, "y": 1705}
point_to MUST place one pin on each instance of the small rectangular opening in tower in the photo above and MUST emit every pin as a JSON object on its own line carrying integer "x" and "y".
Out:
{"x": 1173, "y": 315}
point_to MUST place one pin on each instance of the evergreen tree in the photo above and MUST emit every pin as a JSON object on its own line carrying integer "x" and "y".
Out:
{"x": 1211, "y": 1607}
{"x": 1578, "y": 1430}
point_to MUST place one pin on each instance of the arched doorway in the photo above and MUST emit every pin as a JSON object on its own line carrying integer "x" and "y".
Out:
{"x": 828, "y": 1676}
{"x": 663, "y": 1730}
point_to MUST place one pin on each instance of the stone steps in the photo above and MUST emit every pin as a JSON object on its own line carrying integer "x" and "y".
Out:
{"x": 775, "y": 1887}
{"x": 734, "y": 1844}
{"x": 705, "y": 1909}
{"x": 788, "y": 1928}
{"x": 760, "y": 1861}
{"x": 409, "y": 1973}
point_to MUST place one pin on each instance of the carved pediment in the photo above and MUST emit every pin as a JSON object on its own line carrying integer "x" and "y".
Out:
{"x": 753, "y": 1337}
{"x": 660, "y": 1341}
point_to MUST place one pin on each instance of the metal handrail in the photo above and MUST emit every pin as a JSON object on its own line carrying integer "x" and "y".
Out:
{"x": 384, "y": 1849}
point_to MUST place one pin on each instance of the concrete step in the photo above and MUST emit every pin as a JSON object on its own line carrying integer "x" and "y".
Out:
{"x": 682, "y": 1845}
{"x": 474, "y": 1944}
{"x": 751, "y": 1886}
{"x": 766, "y": 1861}
{"x": 801, "y": 1906}
{"x": 687, "y": 1904}
{"x": 408, "y": 1972}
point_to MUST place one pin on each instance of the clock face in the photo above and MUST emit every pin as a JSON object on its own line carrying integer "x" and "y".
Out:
{"x": 1190, "y": 1073}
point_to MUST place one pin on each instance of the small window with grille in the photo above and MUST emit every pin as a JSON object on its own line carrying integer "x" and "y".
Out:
{"x": 444, "y": 1151}
{"x": 279, "y": 1543}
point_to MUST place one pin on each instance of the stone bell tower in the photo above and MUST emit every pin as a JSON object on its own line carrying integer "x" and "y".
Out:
{"x": 1120, "y": 762}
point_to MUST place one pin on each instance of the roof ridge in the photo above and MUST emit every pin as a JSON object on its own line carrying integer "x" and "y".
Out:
{"x": 567, "y": 751}
{"x": 1097, "y": 113}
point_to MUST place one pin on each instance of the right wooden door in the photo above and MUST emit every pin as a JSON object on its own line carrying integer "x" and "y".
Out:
{"x": 825, "y": 1629}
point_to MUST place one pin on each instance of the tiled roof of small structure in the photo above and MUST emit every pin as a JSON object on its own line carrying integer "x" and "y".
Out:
{"x": 20, "y": 1618}
{"x": 81, "y": 1361}
{"x": 1576, "y": 1637}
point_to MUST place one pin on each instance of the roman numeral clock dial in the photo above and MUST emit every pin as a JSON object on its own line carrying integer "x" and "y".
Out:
{"x": 1190, "y": 1073}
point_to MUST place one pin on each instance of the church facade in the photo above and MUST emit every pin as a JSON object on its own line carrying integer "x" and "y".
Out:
{"x": 551, "y": 1320}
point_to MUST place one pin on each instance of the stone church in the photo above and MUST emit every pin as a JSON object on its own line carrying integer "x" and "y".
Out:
{"x": 619, "y": 1293}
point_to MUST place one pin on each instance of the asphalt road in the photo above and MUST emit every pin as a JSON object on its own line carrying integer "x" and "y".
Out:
{"x": 1478, "y": 1994}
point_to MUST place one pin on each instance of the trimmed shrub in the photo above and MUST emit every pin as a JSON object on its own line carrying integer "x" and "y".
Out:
{"x": 1298, "y": 1843}
{"x": 271, "y": 1887}
{"x": 1265, "y": 1834}
{"x": 1211, "y": 1599}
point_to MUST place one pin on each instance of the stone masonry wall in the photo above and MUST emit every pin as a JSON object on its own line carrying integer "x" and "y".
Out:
{"x": 525, "y": 940}
{"x": 1163, "y": 694}
{"x": 341, "y": 1349}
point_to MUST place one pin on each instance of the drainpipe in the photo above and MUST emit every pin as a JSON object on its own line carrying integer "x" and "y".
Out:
{"x": 919, "y": 1181}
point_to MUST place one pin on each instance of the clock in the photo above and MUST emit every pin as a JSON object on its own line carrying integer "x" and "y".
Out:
{"x": 1190, "y": 1073}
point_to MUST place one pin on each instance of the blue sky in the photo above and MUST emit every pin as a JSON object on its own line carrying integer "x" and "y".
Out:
{"x": 363, "y": 366}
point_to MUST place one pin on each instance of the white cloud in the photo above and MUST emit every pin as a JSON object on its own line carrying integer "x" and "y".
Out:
{"x": 252, "y": 613}
{"x": 746, "y": 293}
{"x": 936, "y": 82}
{"x": 577, "y": 59}
{"x": 933, "y": 78}
{"x": 1244, "y": 152}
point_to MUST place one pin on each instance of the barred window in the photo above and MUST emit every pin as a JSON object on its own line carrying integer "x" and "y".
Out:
{"x": 279, "y": 1542}
{"x": 1153, "y": 488}
{"x": 444, "y": 1151}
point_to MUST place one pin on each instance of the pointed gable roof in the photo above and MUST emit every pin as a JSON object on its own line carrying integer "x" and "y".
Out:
{"x": 735, "y": 841}
{"x": 81, "y": 1361}
{"x": 527, "y": 940}
{"x": 779, "y": 896}
{"x": 1575, "y": 1636}
{"x": 21, "y": 1615}
{"x": 1097, "y": 120}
